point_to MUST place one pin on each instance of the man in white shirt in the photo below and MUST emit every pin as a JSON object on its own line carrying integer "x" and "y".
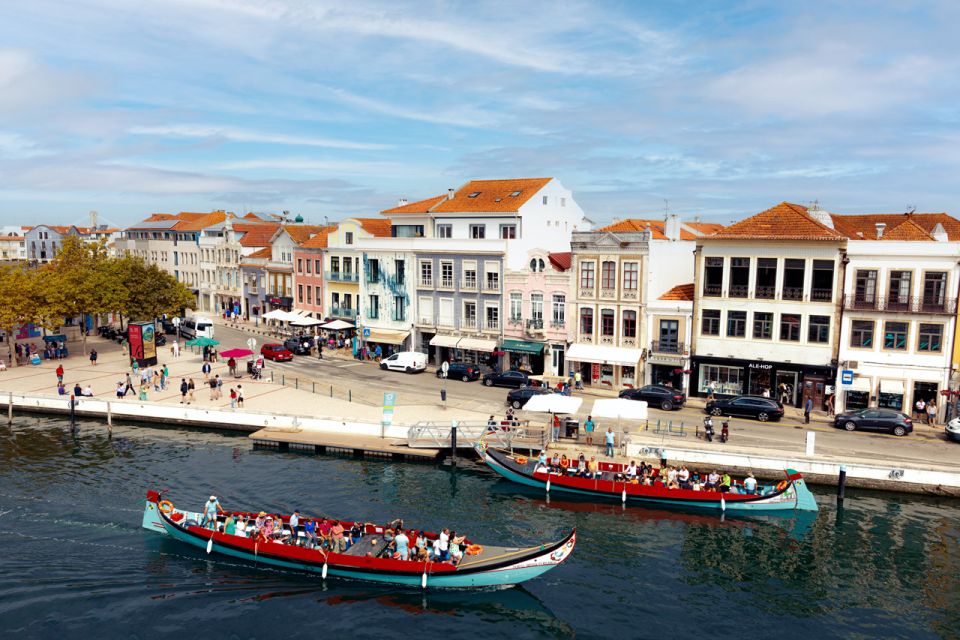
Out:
{"x": 442, "y": 545}
{"x": 88, "y": 391}
{"x": 750, "y": 484}
{"x": 631, "y": 471}
{"x": 294, "y": 523}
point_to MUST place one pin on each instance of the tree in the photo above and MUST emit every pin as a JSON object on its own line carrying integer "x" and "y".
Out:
{"x": 23, "y": 292}
{"x": 151, "y": 291}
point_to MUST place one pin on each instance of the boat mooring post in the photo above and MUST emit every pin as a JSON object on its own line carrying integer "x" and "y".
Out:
{"x": 453, "y": 442}
{"x": 109, "y": 420}
{"x": 841, "y": 484}
{"x": 10, "y": 408}
{"x": 73, "y": 412}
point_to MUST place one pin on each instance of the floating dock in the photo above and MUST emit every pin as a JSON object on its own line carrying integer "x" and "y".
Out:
{"x": 349, "y": 444}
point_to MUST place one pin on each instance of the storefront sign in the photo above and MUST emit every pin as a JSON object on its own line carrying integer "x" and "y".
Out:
{"x": 846, "y": 376}
{"x": 595, "y": 371}
{"x": 761, "y": 365}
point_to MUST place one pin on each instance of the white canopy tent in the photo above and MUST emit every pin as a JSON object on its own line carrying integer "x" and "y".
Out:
{"x": 621, "y": 409}
{"x": 553, "y": 403}
{"x": 276, "y": 314}
{"x": 306, "y": 322}
{"x": 337, "y": 325}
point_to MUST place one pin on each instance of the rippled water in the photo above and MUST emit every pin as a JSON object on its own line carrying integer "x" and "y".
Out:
{"x": 75, "y": 562}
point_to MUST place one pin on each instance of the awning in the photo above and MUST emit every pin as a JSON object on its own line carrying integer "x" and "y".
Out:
{"x": 337, "y": 325}
{"x": 444, "y": 341}
{"x": 522, "y": 346}
{"x": 385, "y": 336}
{"x": 619, "y": 408}
{"x": 475, "y": 344}
{"x": 306, "y": 322}
{"x": 894, "y": 387}
{"x": 553, "y": 403}
{"x": 604, "y": 354}
{"x": 276, "y": 314}
{"x": 859, "y": 384}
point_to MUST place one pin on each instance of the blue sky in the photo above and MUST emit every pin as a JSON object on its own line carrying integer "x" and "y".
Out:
{"x": 338, "y": 109}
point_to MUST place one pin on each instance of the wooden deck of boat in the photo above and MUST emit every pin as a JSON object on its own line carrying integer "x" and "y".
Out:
{"x": 341, "y": 443}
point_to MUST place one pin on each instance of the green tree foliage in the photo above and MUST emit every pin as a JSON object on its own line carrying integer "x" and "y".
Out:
{"x": 23, "y": 293}
{"x": 150, "y": 291}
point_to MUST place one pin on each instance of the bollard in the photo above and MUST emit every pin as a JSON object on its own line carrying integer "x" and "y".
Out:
{"x": 296, "y": 383}
{"x": 841, "y": 484}
{"x": 313, "y": 389}
{"x": 349, "y": 395}
{"x": 73, "y": 416}
{"x": 283, "y": 379}
{"x": 453, "y": 443}
{"x": 331, "y": 391}
{"x": 109, "y": 420}
{"x": 10, "y": 409}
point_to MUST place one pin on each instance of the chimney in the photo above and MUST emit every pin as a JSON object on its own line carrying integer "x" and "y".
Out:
{"x": 671, "y": 227}
{"x": 450, "y": 193}
{"x": 880, "y": 227}
{"x": 401, "y": 202}
{"x": 93, "y": 219}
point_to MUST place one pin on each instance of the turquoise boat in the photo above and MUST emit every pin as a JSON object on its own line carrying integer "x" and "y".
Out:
{"x": 481, "y": 566}
{"x": 789, "y": 495}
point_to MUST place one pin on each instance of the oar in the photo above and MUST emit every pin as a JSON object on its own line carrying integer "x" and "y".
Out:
{"x": 210, "y": 542}
{"x": 423, "y": 578}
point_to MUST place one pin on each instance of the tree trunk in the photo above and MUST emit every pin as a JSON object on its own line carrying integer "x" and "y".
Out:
{"x": 10, "y": 348}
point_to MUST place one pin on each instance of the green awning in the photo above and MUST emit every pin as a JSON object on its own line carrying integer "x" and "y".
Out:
{"x": 522, "y": 346}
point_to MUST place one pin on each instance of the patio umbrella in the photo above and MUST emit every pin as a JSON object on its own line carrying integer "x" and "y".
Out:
{"x": 621, "y": 409}
{"x": 276, "y": 314}
{"x": 236, "y": 353}
{"x": 553, "y": 403}
{"x": 202, "y": 341}
{"x": 306, "y": 322}
{"x": 337, "y": 325}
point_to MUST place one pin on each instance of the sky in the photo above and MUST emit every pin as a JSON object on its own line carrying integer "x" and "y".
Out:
{"x": 335, "y": 109}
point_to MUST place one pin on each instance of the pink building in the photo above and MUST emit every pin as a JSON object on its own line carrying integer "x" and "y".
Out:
{"x": 308, "y": 274}
{"x": 536, "y": 332}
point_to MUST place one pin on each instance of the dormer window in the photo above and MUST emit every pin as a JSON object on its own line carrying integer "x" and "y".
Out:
{"x": 474, "y": 194}
{"x": 537, "y": 265}
{"x": 514, "y": 194}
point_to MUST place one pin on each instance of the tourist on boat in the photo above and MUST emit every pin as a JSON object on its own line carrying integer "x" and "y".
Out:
{"x": 338, "y": 543}
{"x": 441, "y": 548}
{"x": 242, "y": 527}
{"x": 356, "y": 531}
{"x": 750, "y": 484}
{"x": 555, "y": 462}
{"x": 325, "y": 533}
{"x": 541, "y": 467}
{"x": 294, "y": 524}
{"x": 683, "y": 477}
{"x": 456, "y": 548}
{"x": 230, "y": 525}
{"x": 421, "y": 545}
{"x": 210, "y": 511}
{"x": 593, "y": 468}
{"x": 260, "y": 521}
{"x": 564, "y": 464}
{"x": 402, "y": 545}
{"x": 725, "y": 482}
{"x": 582, "y": 466}
{"x": 309, "y": 534}
{"x": 543, "y": 458}
{"x": 422, "y": 554}
{"x": 672, "y": 481}
{"x": 611, "y": 439}
{"x": 713, "y": 481}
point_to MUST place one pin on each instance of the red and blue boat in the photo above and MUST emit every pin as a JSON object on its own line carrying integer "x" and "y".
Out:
{"x": 485, "y": 566}
{"x": 789, "y": 495}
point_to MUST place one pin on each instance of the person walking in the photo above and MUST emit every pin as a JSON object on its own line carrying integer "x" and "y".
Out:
{"x": 240, "y": 395}
{"x": 128, "y": 387}
{"x": 233, "y": 398}
{"x": 184, "y": 389}
{"x": 59, "y": 374}
{"x": 212, "y": 383}
{"x": 588, "y": 428}
{"x": 93, "y": 357}
{"x": 163, "y": 377}
{"x": 712, "y": 391}
{"x": 191, "y": 386}
{"x": 578, "y": 381}
{"x": 219, "y": 386}
{"x": 807, "y": 408}
{"x": 206, "y": 370}
{"x": 931, "y": 413}
{"x": 830, "y": 407}
{"x": 919, "y": 407}
{"x": 611, "y": 439}
{"x": 175, "y": 349}
{"x": 319, "y": 349}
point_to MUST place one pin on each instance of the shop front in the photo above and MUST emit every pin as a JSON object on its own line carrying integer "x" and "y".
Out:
{"x": 389, "y": 341}
{"x": 790, "y": 383}
{"x": 476, "y": 351}
{"x": 857, "y": 394}
{"x": 604, "y": 366}
{"x": 284, "y": 303}
{"x": 524, "y": 356}
{"x": 441, "y": 347}
{"x": 668, "y": 370}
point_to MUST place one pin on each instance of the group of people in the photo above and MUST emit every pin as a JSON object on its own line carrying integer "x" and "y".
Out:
{"x": 925, "y": 411}
{"x": 333, "y": 536}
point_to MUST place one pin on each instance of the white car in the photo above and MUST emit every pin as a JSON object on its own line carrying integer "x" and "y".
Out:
{"x": 953, "y": 429}
{"x": 409, "y": 361}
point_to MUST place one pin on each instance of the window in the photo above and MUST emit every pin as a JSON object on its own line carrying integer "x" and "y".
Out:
{"x": 469, "y": 275}
{"x": 446, "y": 275}
{"x": 373, "y": 271}
{"x": 299, "y": 265}
{"x": 316, "y": 267}
{"x": 493, "y": 317}
{"x": 631, "y": 274}
{"x": 587, "y": 270}
{"x": 861, "y": 334}
{"x": 629, "y": 324}
{"x": 762, "y": 325}
{"x": 493, "y": 281}
{"x": 514, "y": 194}
{"x": 334, "y": 266}
{"x": 537, "y": 265}
{"x": 739, "y": 277}
{"x": 934, "y": 290}
{"x": 545, "y": 199}
{"x": 559, "y": 309}
{"x": 308, "y": 265}
{"x": 516, "y": 305}
{"x": 865, "y": 294}
{"x": 895, "y": 335}
{"x": 790, "y": 327}
{"x": 766, "y": 285}
{"x": 470, "y": 314}
{"x": 563, "y": 202}
{"x": 536, "y": 308}
{"x": 426, "y": 273}
{"x": 713, "y": 277}
{"x": 822, "y": 285}
{"x": 444, "y": 230}
{"x": 474, "y": 194}
{"x": 300, "y": 293}
{"x": 508, "y": 232}
{"x": 726, "y": 380}
{"x": 586, "y": 322}
{"x": 931, "y": 337}
{"x": 373, "y": 307}
{"x": 819, "y": 329}
{"x": 401, "y": 269}
{"x": 348, "y": 237}
{"x": 608, "y": 275}
{"x": 898, "y": 295}
{"x": 606, "y": 322}
{"x": 318, "y": 295}
{"x": 793, "y": 272}
{"x": 736, "y": 324}
{"x": 710, "y": 324}
{"x": 406, "y": 231}
{"x": 478, "y": 231}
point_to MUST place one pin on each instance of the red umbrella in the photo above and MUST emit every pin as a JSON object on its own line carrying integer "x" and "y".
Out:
{"x": 236, "y": 353}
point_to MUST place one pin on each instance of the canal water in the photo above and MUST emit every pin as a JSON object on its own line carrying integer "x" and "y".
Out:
{"x": 74, "y": 561}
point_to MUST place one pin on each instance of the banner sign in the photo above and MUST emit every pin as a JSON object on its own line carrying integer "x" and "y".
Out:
{"x": 135, "y": 337}
{"x": 389, "y": 400}
{"x": 143, "y": 343}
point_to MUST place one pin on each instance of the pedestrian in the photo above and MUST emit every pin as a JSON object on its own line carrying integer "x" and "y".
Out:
{"x": 588, "y": 428}
{"x": 931, "y": 412}
{"x": 59, "y": 373}
{"x": 156, "y": 380}
{"x": 184, "y": 389}
{"x": 206, "y": 370}
{"x": 175, "y": 349}
{"x": 233, "y": 398}
{"x": 136, "y": 366}
{"x": 93, "y": 357}
{"x": 128, "y": 387}
{"x": 190, "y": 388}
{"x": 232, "y": 366}
{"x": 712, "y": 391}
{"x": 578, "y": 381}
{"x": 219, "y": 381}
{"x": 918, "y": 408}
{"x": 143, "y": 393}
{"x": 163, "y": 377}
{"x": 611, "y": 441}
{"x": 240, "y": 395}
{"x": 377, "y": 353}
{"x": 830, "y": 407}
{"x": 319, "y": 349}
{"x": 121, "y": 390}
{"x": 213, "y": 388}
{"x": 556, "y": 427}
{"x": 807, "y": 408}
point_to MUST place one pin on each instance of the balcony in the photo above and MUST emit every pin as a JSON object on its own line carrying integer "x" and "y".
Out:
{"x": 343, "y": 312}
{"x": 667, "y": 346}
{"x": 349, "y": 276}
{"x": 821, "y": 295}
{"x": 492, "y": 325}
{"x": 333, "y": 276}
{"x": 712, "y": 290}
{"x": 738, "y": 290}
{"x": 557, "y": 323}
{"x": 426, "y": 283}
{"x": 515, "y": 321}
{"x": 469, "y": 324}
{"x": 765, "y": 293}
{"x": 469, "y": 284}
{"x": 446, "y": 283}
{"x": 793, "y": 293}
{"x": 425, "y": 319}
{"x": 492, "y": 286}
{"x": 535, "y": 324}
{"x": 900, "y": 304}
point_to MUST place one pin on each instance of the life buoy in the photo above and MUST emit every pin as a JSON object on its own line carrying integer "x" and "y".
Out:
{"x": 522, "y": 460}
{"x": 782, "y": 485}
{"x": 474, "y": 550}
{"x": 165, "y": 506}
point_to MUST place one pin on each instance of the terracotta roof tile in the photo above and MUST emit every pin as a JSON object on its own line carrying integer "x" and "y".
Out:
{"x": 191, "y": 223}
{"x": 255, "y": 235}
{"x": 786, "y": 221}
{"x": 319, "y": 241}
{"x": 907, "y": 230}
{"x": 705, "y": 228}
{"x": 864, "y": 226}
{"x": 562, "y": 260}
{"x": 491, "y": 195}
{"x": 377, "y": 227}
{"x": 266, "y": 252}
{"x": 688, "y": 230}
{"x": 421, "y": 206}
{"x": 300, "y": 233}
{"x": 679, "y": 292}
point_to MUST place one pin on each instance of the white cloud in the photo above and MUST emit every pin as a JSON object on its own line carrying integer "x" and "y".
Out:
{"x": 27, "y": 85}
{"x": 241, "y": 135}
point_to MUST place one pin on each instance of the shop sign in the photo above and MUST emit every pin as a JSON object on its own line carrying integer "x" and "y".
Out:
{"x": 846, "y": 376}
{"x": 595, "y": 371}
{"x": 761, "y": 365}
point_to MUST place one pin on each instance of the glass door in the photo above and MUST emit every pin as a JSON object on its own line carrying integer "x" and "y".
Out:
{"x": 669, "y": 336}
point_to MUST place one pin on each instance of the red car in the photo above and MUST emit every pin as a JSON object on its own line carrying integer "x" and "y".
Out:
{"x": 276, "y": 352}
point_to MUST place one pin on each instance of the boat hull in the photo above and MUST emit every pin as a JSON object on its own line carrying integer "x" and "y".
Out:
{"x": 792, "y": 497}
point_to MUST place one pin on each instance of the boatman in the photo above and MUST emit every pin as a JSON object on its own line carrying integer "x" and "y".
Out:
{"x": 402, "y": 543}
{"x": 210, "y": 511}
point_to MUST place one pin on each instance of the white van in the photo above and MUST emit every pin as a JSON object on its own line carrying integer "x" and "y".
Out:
{"x": 409, "y": 361}
{"x": 196, "y": 327}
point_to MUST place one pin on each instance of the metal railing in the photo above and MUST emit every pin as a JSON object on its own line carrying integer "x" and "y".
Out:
{"x": 738, "y": 290}
{"x": 821, "y": 295}
{"x": 712, "y": 290}
{"x": 899, "y": 304}
{"x": 792, "y": 293}
{"x": 426, "y": 282}
{"x": 535, "y": 323}
{"x": 504, "y": 435}
{"x": 765, "y": 293}
{"x": 666, "y": 346}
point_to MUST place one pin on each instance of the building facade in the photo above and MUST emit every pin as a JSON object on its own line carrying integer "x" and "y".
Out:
{"x": 308, "y": 273}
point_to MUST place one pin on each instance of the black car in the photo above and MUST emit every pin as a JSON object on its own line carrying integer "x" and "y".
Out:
{"x": 298, "y": 346}
{"x": 758, "y": 407}
{"x": 518, "y": 397}
{"x": 515, "y": 379}
{"x": 160, "y": 339}
{"x": 657, "y": 395}
{"x": 874, "y": 419}
{"x": 461, "y": 371}
{"x": 168, "y": 327}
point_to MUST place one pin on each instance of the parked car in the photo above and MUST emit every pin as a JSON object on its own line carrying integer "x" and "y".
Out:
{"x": 657, "y": 395}
{"x": 515, "y": 379}
{"x": 874, "y": 419}
{"x": 160, "y": 339}
{"x": 461, "y": 371}
{"x": 763, "y": 409}
{"x": 409, "y": 361}
{"x": 518, "y": 397}
{"x": 953, "y": 429}
{"x": 298, "y": 346}
{"x": 168, "y": 326}
{"x": 276, "y": 352}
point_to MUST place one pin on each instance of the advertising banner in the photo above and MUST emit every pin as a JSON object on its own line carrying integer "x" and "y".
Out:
{"x": 135, "y": 340}
{"x": 143, "y": 343}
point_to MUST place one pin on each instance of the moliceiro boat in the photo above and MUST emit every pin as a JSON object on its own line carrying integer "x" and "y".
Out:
{"x": 790, "y": 494}
{"x": 367, "y": 558}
